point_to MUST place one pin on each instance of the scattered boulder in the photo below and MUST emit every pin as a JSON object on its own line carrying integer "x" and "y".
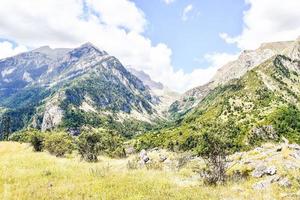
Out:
{"x": 271, "y": 170}
{"x": 294, "y": 146}
{"x": 265, "y": 183}
{"x": 262, "y": 170}
{"x": 261, "y": 185}
{"x": 74, "y": 131}
{"x": 259, "y": 171}
{"x": 129, "y": 150}
{"x": 296, "y": 154}
{"x": 144, "y": 157}
{"x": 285, "y": 182}
{"x": 162, "y": 158}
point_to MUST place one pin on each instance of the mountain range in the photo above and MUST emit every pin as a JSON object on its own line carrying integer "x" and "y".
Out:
{"x": 69, "y": 88}
{"x": 48, "y": 88}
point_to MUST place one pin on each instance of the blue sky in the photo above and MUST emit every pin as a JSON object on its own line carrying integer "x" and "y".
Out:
{"x": 180, "y": 50}
{"x": 190, "y": 40}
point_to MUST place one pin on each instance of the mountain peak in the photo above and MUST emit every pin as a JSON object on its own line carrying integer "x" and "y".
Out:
{"x": 88, "y": 46}
{"x": 52, "y": 53}
{"x": 146, "y": 79}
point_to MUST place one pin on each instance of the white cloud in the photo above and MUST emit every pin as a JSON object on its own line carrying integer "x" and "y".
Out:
{"x": 169, "y": 1}
{"x": 127, "y": 14}
{"x": 217, "y": 60}
{"x": 115, "y": 27}
{"x": 7, "y": 49}
{"x": 201, "y": 76}
{"x": 186, "y": 11}
{"x": 267, "y": 21}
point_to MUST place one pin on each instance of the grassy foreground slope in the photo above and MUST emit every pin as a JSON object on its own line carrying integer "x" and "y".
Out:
{"x": 25, "y": 174}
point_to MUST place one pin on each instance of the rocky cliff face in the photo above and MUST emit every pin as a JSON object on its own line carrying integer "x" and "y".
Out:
{"x": 55, "y": 82}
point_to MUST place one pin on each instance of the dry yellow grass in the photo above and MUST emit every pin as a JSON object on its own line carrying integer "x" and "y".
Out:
{"x": 26, "y": 175}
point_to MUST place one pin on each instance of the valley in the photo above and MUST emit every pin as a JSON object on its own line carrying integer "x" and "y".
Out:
{"x": 77, "y": 124}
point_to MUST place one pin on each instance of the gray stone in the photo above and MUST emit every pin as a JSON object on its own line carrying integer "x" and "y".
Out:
{"x": 162, "y": 158}
{"x": 294, "y": 146}
{"x": 296, "y": 154}
{"x": 143, "y": 153}
{"x": 144, "y": 157}
{"x": 261, "y": 185}
{"x": 262, "y": 170}
{"x": 259, "y": 171}
{"x": 265, "y": 183}
{"x": 271, "y": 170}
{"x": 285, "y": 182}
{"x": 129, "y": 150}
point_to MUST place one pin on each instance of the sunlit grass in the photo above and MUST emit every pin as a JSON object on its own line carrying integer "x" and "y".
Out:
{"x": 28, "y": 175}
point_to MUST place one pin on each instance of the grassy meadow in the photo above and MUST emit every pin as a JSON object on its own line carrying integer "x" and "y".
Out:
{"x": 28, "y": 175}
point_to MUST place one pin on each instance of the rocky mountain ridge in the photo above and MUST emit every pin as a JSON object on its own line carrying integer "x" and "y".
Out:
{"x": 163, "y": 95}
{"x": 247, "y": 60}
{"x": 46, "y": 85}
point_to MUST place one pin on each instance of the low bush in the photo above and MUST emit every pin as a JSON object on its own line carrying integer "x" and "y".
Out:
{"x": 20, "y": 136}
{"x": 37, "y": 140}
{"x": 59, "y": 144}
{"x": 89, "y": 145}
{"x": 93, "y": 142}
{"x": 214, "y": 147}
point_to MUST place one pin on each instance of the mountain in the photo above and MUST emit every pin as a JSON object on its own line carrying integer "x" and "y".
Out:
{"x": 163, "y": 95}
{"x": 47, "y": 88}
{"x": 247, "y": 60}
{"x": 260, "y": 105}
{"x": 153, "y": 85}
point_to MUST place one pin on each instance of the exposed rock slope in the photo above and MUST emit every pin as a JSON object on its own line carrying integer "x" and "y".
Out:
{"x": 49, "y": 86}
{"x": 163, "y": 96}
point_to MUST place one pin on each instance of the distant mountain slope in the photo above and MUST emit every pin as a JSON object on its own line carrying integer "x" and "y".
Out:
{"x": 163, "y": 96}
{"x": 247, "y": 60}
{"x": 46, "y": 88}
{"x": 263, "y": 104}
{"x": 146, "y": 79}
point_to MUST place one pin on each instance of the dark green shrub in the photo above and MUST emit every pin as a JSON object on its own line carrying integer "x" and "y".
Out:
{"x": 93, "y": 142}
{"x": 37, "y": 140}
{"x": 59, "y": 144}
{"x": 90, "y": 144}
{"x": 20, "y": 136}
{"x": 214, "y": 146}
{"x": 286, "y": 122}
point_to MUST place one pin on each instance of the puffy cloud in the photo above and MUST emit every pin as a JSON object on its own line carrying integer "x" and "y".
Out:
{"x": 127, "y": 14}
{"x": 7, "y": 49}
{"x": 186, "y": 11}
{"x": 267, "y": 21}
{"x": 201, "y": 76}
{"x": 217, "y": 60}
{"x": 115, "y": 26}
